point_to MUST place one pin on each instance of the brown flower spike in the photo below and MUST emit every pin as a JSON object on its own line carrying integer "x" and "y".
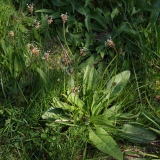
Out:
{"x": 35, "y": 51}
{"x": 11, "y": 33}
{"x": 64, "y": 17}
{"x": 82, "y": 52}
{"x": 110, "y": 43}
{"x": 36, "y": 24}
{"x": 50, "y": 20}
{"x": 45, "y": 56}
{"x": 30, "y": 7}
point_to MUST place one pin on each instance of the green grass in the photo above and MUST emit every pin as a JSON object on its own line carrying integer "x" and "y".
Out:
{"x": 29, "y": 80}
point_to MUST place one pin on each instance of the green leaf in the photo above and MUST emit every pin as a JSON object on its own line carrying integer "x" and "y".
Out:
{"x": 105, "y": 143}
{"x": 71, "y": 84}
{"x": 42, "y": 75}
{"x": 58, "y": 3}
{"x": 142, "y": 158}
{"x": 87, "y": 2}
{"x": 74, "y": 100}
{"x": 90, "y": 61}
{"x": 73, "y": 3}
{"x": 157, "y": 131}
{"x": 155, "y": 14}
{"x": 114, "y": 88}
{"x": 88, "y": 79}
{"x": 137, "y": 134}
{"x": 23, "y": 28}
{"x": 158, "y": 38}
{"x": 116, "y": 84}
{"x": 101, "y": 49}
{"x": 83, "y": 10}
{"x": 101, "y": 120}
{"x": 58, "y": 104}
{"x": 36, "y": 35}
{"x": 112, "y": 111}
{"x": 89, "y": 38}
{"x": 114, "y": 13}
{"x": 56, "y": 15}
{"x": 56, "y": 115}
{"x": 98, "y": 17}
{"x": 129, "y": 116}
{"x": 76, "y": 39}
{"x": 53, "y": 113}
{"x": 45, "y": 11}
{"x": 87, "y": 22}
{"x": 119, "y": 30}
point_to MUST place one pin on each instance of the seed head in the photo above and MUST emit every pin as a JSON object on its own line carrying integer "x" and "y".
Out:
{"x": 75, "y": 90}
{"x": 34, "y": 50}
{"x": 36, "y": 24}
{"x": 83, "y": 52}
{"x": 110, "y": 43}
{"x": 49, "y": 20}
{"x": 11, "y": 33}
{"x": 64, "y": 17}
{"x": 30, "y": 7}
{"x": 45, "y": 56}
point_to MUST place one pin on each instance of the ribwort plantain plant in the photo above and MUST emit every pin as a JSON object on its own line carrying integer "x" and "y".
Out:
{"x": 88, "y": 106}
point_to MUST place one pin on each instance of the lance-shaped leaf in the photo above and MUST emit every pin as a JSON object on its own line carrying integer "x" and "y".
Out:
{"x": 59, "y": 104}
{"x": 105, "y": 143}
{"x": 89, "y": 80}
{"x": 102, "y": 120}
{"x": 53, "y": 113}
{"x": 54, "y": 116}
{"x": 58, "y": 3}
{"x": 114, "y": 88}
{"x": 137, "y": 134}
{"x": 75, "y": 100}
{"x": 116, "y": 84}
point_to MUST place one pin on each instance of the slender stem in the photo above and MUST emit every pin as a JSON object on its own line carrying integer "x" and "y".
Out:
{"x": 2, "y": 86}
{"x": 64, "y": 35}
{"x": 110, "y": 62}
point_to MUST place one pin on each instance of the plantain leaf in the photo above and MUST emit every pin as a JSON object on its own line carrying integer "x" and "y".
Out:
{"x": 42, "y": 75}
{"x": 73, "y": 3}
{"x": 74, "y": 99}
{"x": 45, "y": 11}
{"x": 98, "y": 17}
{"x": 112, "y": 111}
{"x": 22, "y": 28}
{"x": 155, "y": 14}
{"x": 158, "y": 38}
{"x": 114, "y": 13}
{"x": 87, "y": 22}
{"x": 83, "y": 10}
{"x": 87, "y": 2}
{"x": 57, "y": 115}
{"x": 53, "y": 113}
{"x": 89, "y": 38}
{"x": 137, "y": 134}
{"x": 36, "y": 35}
{"x": 114, "y": 88}
{"x": 105, "y": 143}
{"x": 90, "y": 61}
{"x": 89, "y": 79}
{"x": 116, "y": 84}
{"x": 101, "y": 120}
{"x": 62, "y": 105}
{"x": 58, "y": 3}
